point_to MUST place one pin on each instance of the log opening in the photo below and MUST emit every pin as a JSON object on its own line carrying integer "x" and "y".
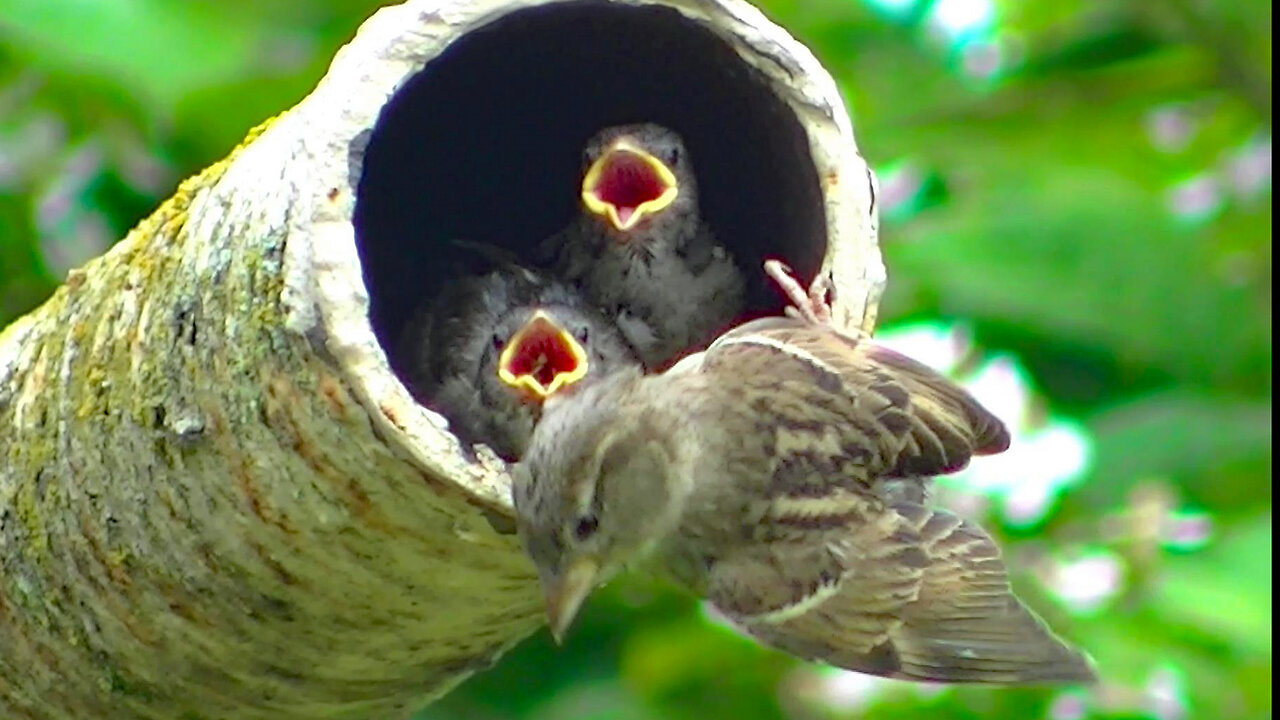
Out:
{"x": 484, "y": 143}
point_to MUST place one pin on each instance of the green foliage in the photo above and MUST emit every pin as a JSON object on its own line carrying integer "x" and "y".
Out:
{"x": 1084, "y": 203}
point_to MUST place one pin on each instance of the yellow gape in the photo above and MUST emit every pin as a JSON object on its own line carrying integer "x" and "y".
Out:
{"x": 626, "y": 184}
{"x": 542, "y": 357}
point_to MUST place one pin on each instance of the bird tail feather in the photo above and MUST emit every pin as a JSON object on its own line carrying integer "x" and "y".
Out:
{"x": 934, "y": 604}
{"x": 966, "y": 625}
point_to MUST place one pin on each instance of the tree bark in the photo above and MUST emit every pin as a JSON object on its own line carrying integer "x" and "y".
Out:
{"x": 216, "y": 500}
{"x": 200, "y": 517}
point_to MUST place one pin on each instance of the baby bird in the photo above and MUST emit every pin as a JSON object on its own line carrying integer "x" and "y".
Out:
{"x": 491, "y": 348}
{"x": 748, "y": 474}
{"x": 640, "y": 250}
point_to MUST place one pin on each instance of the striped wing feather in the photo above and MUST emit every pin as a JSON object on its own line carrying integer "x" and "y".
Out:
{"x": 923, "y": 423}
{"x": 919, "y": 594}
{"x": 843, "y": 573}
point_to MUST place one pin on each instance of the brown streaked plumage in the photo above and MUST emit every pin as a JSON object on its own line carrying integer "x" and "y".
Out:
{"x": 758, "y": 475}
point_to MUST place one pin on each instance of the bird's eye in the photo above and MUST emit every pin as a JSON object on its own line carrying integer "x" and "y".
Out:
{"x": 675, "y": 156}
{"x": 586, "y": 527}
{"x": 498, "y": 342}
{"x": 583, "y": 333}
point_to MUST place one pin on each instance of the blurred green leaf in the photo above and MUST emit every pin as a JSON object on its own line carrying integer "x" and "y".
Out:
{"x": 1218, "y": 450}
{"x": 690, "y": 668}
{"x": 1087, "y": 255}
{"x": 134, "y": 42}
{"x": 1225, "y": 590}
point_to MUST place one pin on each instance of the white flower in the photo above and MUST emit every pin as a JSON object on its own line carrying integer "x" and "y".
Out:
{"x": 1086, "y": 584}
{"x": 1165, "y": 694}
{"x": 962, "y": 19}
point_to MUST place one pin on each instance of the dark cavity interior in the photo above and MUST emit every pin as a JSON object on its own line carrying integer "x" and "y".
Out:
{"x": 485, "y": 145}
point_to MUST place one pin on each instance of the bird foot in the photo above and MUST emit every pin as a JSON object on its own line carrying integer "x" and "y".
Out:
{"x": 811, "y": 305}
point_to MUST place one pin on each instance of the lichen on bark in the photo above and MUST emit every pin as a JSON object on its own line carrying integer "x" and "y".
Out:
{"x": 199, "y": 520}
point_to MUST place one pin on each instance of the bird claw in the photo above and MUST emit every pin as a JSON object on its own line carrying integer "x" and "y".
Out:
{"x": 811, "y": 305}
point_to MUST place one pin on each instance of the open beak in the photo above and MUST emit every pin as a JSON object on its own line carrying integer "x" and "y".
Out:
{"x": 565, "y": 593}
{"x": 542, "y": 357}
{"x": 626, "y": 184}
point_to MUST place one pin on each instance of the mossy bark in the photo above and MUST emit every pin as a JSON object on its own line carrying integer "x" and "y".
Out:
{"x": 198, "y": 520}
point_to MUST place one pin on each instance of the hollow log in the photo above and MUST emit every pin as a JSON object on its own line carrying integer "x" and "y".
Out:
{"x": 217, "y": 499}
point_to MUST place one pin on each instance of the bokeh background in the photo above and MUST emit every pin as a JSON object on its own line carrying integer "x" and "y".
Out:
{"x": 1076, "y": 206}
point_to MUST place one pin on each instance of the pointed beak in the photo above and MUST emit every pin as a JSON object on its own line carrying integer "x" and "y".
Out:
{"x": 627, "y": 183}
{"x": 542, "y": 357}
{"x": 565, "y": 593}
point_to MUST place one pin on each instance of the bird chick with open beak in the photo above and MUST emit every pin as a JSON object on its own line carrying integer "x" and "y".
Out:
{"x": 640, "y": 249}
{"x": 491, "y": 348}
{"x": 748, "y": 474}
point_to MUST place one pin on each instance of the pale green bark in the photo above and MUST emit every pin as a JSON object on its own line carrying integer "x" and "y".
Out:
{"x": 199, "y": 520}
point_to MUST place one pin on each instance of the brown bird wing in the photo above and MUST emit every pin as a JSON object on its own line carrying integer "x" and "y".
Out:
{"x": 920, "y": 422}
{"x": 966, "y": 625}
{"x": 907, "y": 593}
{"x": 833, "y": 570}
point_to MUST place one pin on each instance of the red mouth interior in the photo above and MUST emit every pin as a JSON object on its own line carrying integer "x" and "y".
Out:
{"x": 543, "y": 353}
{"x": 627, "y": 181}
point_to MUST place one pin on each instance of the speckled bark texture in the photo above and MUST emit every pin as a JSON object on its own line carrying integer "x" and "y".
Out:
{"x": 199, "y": 520}
{"x": 216, "y": 500}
